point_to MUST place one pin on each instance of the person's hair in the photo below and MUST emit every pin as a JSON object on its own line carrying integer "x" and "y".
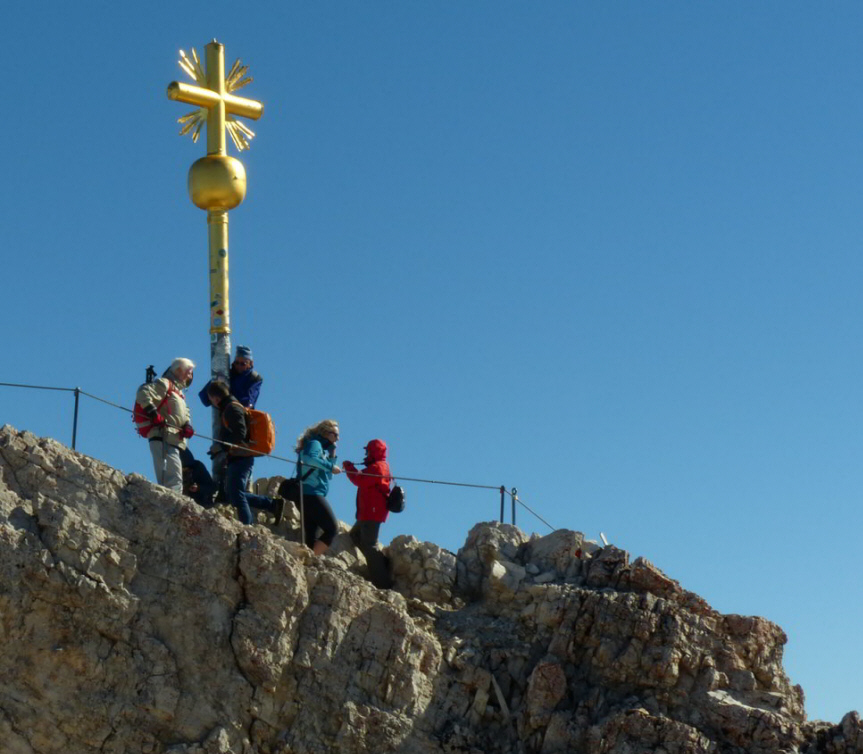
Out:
{"x": 327, "y": 425}
{"x": 180, "y": 363}
{"x": 218, "y": 389}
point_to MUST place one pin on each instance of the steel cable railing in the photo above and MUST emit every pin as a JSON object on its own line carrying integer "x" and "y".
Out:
{"x": 513, "y": 494}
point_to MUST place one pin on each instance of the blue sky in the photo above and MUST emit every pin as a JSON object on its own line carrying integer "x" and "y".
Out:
{"x": 607, "y": 253}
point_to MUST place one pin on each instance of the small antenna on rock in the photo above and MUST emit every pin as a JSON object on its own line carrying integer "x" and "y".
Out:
{"x": 604, "y": 540}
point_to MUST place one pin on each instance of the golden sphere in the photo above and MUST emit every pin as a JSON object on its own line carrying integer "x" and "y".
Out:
{"x": 217, "y": 182}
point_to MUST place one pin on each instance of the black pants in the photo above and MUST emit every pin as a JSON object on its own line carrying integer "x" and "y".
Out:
{"x": 318, "y": 515}
{"x": 365, "y": 536}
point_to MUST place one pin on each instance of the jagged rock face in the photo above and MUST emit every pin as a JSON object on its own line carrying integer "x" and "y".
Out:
{"x": 134, "y": 621}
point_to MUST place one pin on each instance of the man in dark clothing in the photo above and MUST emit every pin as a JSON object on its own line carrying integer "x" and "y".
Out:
{"x": 245, "y": 386}
{"x": 245, "y": 382}
{"x": 235, "y": 430}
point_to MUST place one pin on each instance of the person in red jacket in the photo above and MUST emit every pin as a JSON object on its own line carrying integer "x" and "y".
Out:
{"x": 374, "y": 486}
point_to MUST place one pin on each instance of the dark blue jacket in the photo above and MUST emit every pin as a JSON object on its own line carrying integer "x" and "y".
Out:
{"x": 244, "y": 386}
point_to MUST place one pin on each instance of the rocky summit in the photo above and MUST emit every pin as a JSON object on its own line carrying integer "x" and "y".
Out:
{"x": 132, "y": 620}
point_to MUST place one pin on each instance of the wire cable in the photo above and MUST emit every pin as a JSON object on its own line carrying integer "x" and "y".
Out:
{"x": 39, "y": 387}
{"x": 292, "y": 461}
{"x": 530, "y": 510}
{"x": 102, "y": 400}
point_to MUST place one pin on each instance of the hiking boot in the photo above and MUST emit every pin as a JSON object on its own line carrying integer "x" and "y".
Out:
{"x": 278, "y": 510}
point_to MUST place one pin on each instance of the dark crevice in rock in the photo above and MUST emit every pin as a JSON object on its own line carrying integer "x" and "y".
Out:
{"x": 18, "y": 490}
{"x": 22, "y": 734}
{"x": 241, "y": 605}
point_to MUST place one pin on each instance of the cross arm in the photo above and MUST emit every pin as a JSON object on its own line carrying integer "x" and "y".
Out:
{"x": 197, "y": 95}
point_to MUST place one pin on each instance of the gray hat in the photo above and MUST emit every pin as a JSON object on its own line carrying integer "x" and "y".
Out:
{"x": 244, "y": 352}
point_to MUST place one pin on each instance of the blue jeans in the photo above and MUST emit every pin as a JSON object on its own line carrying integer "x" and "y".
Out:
{"x": 236, "y": 480}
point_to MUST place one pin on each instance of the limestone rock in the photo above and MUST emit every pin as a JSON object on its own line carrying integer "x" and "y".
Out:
{"x": 423, "y": 570}
{"x": 134, "y": 621}
{"x": 558, "y": 554}
{"x": 486, "y": 546}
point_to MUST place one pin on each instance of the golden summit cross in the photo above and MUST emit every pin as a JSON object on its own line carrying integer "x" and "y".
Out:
{"x": 217, "y": 182}
{"x": 213, "y": 96}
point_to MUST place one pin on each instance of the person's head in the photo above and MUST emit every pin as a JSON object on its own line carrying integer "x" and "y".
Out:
{"x": 376, "y": 450}
{"x": 243, "y": 361}
{"x": 327, "y": 429}
{"x": 182, "y": 371}
{"x": 218, "y": 391}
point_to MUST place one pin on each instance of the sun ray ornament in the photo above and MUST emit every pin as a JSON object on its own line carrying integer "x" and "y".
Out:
{"x": 217, "y": 182}
{"x": 193, "y": 122}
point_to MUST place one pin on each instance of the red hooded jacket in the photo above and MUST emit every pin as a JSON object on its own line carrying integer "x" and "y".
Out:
{"x": 373, "y": 482}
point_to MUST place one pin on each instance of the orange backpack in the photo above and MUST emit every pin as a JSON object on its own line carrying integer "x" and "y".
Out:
{"x": 262, "y": 432}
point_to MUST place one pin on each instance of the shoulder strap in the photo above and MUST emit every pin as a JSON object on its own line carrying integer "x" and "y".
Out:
{"x": 167, "y": 395}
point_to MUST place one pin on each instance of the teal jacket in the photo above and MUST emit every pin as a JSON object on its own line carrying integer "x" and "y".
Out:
{"x": 315, "y": 455}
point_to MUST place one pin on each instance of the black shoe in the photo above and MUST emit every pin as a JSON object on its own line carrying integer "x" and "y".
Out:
{"x": 278, "y": 510}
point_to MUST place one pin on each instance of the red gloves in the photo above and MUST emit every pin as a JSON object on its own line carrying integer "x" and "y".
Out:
{"x": 349, "y": 466}
{"x": 154, "y": 416}
{"x": 186, "y": 431}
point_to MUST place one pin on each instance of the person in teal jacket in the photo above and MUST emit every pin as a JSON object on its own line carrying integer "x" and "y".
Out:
{"x": 317, "y": 450}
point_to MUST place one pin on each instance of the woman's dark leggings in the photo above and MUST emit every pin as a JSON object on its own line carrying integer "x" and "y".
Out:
{"x": 318, "y": 515}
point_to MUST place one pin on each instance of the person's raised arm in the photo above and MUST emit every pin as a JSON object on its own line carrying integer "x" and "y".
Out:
{"x": 254, "y": 392}
{"x": 205, "y": 399}
{"x": 368, "y": 477}
{"x": 313, "y": 455}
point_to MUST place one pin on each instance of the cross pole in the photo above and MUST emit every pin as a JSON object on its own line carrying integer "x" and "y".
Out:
{"x": 217, "y": 182}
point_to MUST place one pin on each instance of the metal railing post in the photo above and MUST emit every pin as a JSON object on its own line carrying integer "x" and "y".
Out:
{"x": 151, "y": 374}
{"x": 302, "y": 505}
{"x": 75, "y": 418}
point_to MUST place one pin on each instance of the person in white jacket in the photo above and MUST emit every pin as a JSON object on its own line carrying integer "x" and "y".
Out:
{"x": 164, "y": 403}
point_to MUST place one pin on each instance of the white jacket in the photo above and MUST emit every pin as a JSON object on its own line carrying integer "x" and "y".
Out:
{"x": 174, "y": 410}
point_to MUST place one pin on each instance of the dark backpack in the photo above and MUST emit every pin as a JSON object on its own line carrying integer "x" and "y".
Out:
{"x": 396, "y": 500}
{"x": 290, "y": 488}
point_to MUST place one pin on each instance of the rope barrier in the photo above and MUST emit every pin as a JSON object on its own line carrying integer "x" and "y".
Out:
{"x": 533, "y": 512}
{"x": 39, "y": 387}
{"x": 102, "y": 400}
{"x": 512, "y": 494}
